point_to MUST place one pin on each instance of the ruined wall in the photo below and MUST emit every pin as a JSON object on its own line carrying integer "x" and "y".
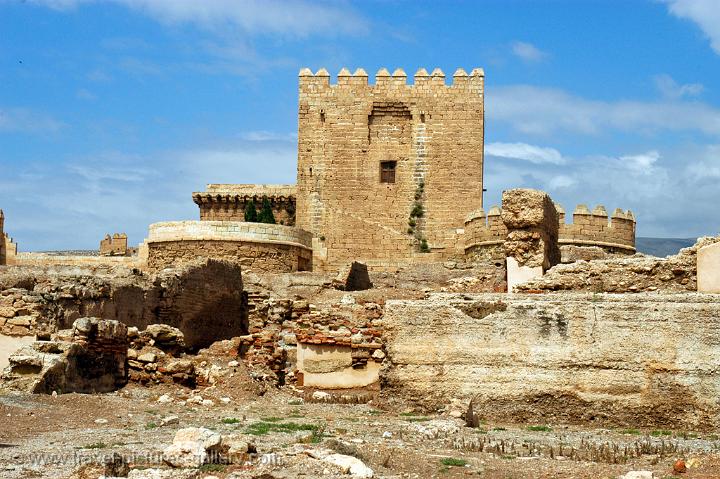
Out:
{"x": 261, "y": 247}
{"x": 355, "y": 138}
{"x": 227, "y": 202}
{"x": 636, "y": 274}
{"x": 204, "y": 299}
{"x": 614, "y": 235}
{"x": 630, "y": 360}
{"x": 115, "y": 245}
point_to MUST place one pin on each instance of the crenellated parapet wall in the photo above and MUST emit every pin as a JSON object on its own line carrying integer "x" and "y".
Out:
{"x": 615, "y": 233}
{"x": 227, "y": 202}
{"x": 8, "y": 249}
{"x": 257, "y": 246}
{"x": 115, "y": 245}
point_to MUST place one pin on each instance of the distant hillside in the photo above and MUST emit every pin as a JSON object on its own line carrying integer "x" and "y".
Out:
{"x": 662, "y": 246}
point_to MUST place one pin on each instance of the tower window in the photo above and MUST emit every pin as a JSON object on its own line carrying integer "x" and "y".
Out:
{"x": 387, "y": 171}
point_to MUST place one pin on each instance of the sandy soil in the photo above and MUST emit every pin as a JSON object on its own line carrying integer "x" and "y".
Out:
{"x": 74, "y": 429}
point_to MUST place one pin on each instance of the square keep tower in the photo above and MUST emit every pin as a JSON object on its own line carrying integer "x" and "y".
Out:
{"x": 388, "y": 172}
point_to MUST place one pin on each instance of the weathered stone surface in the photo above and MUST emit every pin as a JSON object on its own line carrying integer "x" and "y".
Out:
{"x": 191, "y": 447}
{"x": 628, "y": 360}
{"x": 708, "y": 269}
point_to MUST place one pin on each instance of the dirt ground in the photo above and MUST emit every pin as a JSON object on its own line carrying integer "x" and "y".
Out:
{"x": 51, "y": 437}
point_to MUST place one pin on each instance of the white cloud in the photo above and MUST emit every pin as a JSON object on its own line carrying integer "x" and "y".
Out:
{"x": 560, "y": 182}
{"x": 542, "y": 111}
{"x": 642, "y": 162}
{"x": 523, "y": 151}
{"x": 263, "y": 135}
{"x": 705, "y": 13}
{"x": 27, "y": 121}
{"x": 528, "y": 52}
{"x": 289, "y": 17}
{"x": 670, "y": 89}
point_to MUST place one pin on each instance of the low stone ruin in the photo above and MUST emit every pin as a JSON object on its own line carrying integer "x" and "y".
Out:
{"x": 353, "y": 277}
{"x": 92, "y": 360}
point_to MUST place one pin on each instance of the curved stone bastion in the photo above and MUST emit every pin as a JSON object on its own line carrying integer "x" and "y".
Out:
{"x": 255, "y": 246}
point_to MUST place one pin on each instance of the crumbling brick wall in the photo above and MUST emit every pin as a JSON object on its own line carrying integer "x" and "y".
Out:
{"x": 371, "y": 158}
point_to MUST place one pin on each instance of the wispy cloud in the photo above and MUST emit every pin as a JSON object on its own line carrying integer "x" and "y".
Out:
{"x": 670, "y": 89}
{"x": 268, "y": 136}
{"x": 523, "y": 151}
{"x": 25, "y": 120}
{"x": 287, "y": 17}
{"x": 528, "y": 52}
{"x": 542, "y": 111}
{"x": 705, "y": 13}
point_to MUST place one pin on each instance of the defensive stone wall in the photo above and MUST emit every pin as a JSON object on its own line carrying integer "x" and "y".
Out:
{"x": 8, "y": 249}
{"x": 260, "y": 247}
{"x": 44, "y": 259}
{"x": 227, "y": 202}
{"x": 626, "y": 360}
{"x": 389, "y": 171}
{"x": 115, "y": 245}
{"x": 485, "y": 234}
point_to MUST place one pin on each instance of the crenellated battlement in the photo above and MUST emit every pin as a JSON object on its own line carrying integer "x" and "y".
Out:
{"x": 385, "y": 79}
{"x": 594, "y": 227}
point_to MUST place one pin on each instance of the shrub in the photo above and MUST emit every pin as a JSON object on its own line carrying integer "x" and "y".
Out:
{"x": 266, "y": 213}
{"x": 539, "y": 428}
{"x": 424, "y": 248}
{"x": 451, "y": 461}
{"x": 250, "y": 212}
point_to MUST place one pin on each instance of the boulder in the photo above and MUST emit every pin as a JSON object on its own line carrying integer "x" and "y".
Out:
{"x": 353, "y": 277}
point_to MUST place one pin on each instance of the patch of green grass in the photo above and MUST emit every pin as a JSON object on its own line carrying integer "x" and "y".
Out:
{"x": 688, "y": 435}
{"x": 230, "y": 420}
{"x": 417, "y": 419}
{"x": 480, "y": 430}
{"x": 507, "y": 456}
{"x": 451, "y": 461}
{"x": 95, "y": 445}
{"x": 634, "y": 432}
{"x": 271, "y": 419}
{"x": 150, "y": 425}
{"x": 152, "y": 411}
{"x": 660, "y": 432}
{"x": 539, "y": 428}
{"x": 263, "y": 427}
{"x": 213, "y": 468}
{"x": 374, "y": 412}
{"x": 410, "y": 414}
{"x": 295, "y": 402}
{"x": 713, "y": 437}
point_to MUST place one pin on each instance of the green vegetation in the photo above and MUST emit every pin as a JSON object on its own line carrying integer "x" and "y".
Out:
{"x": 150, "y": 425}
{"x": 539, "y": 428}
{"x": 660, "y": 432}
{"x": 295, "y": 402}
{"x": 213, "y": 468}
{"x": 263, "y": 427}
{"x": 230, "y": 420}
{"x": 424, "y": 248}
{"x": 266, "y": 213}
{"x": 417, "y": 419}
{"x": 451, "y": 461}
{"x": 251, "y": 214}
{"x": 95, "y": 445}
{"x": 417, "y": 211}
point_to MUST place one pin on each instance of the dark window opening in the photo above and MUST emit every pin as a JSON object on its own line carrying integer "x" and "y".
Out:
{"x": 422, "y": 117}
{"x": 387, "y": 171}
{"x": 322, "y": 117}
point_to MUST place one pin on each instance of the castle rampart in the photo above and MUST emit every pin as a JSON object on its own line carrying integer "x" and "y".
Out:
{"x": 257, "y": 246}
{"x": 391, "y": 169}
{"x": 485, "y": 234}
{"x": 223, "y": 202}
{"x": 8, "y": 249}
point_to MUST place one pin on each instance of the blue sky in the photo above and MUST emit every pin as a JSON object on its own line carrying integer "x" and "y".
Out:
{"x": 113, "y": 112}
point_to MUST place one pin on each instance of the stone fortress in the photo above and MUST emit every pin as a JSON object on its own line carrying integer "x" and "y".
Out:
{"x": 381, "y": 275}
{"x": 388, "y": 174}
